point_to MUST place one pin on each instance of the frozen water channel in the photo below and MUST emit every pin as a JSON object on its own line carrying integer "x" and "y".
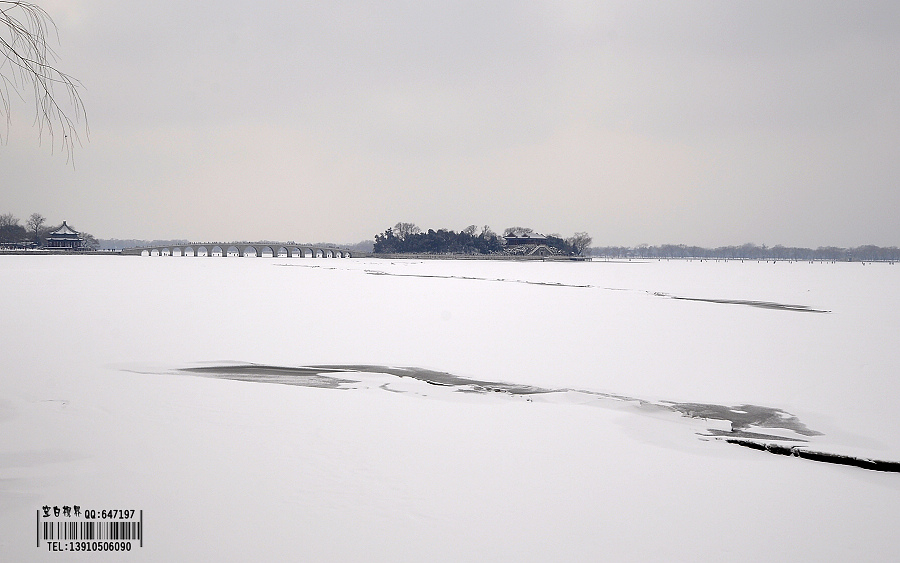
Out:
{"x": 452, "y": 410}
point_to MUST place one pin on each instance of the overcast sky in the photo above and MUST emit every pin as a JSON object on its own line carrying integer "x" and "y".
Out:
{"x": 704, "y": 123}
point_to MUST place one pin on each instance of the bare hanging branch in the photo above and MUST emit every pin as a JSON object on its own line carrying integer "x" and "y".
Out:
{"x": 26, "y": 60}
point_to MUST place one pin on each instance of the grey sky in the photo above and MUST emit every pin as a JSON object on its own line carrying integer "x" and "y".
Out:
{"x": 698, "y": 122}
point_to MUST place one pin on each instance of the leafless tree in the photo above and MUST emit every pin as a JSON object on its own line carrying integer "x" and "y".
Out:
{"x": 89, "y": 242}
{"x": 11, "y": 230}
{"x": 518, "y": 231}
{"x": 27, "y": 60}
{"x": 402, "y": 230}
{"x": 580, "y": 242}
{"x": 34, "y": 224}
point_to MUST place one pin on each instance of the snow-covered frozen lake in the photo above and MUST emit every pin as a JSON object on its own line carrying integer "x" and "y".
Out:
{"x": 545, "y": 418}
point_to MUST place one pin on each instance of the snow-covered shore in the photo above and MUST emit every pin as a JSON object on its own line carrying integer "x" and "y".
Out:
{"x": 94, "y": 410}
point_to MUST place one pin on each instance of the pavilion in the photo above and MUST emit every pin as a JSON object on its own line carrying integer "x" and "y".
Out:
{"x": 64, "y": 238}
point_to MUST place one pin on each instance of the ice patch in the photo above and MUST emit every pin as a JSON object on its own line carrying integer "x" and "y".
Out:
{"x": 745, "y": 420}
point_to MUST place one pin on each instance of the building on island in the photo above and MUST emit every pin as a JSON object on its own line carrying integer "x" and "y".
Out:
{"x": 528, "y": 244}
{"x": 524, "y": 239}
{"x": 64, "y": 238}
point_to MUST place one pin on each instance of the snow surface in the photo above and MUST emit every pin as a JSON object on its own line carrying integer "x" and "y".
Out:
{"x": 94, "y": 410}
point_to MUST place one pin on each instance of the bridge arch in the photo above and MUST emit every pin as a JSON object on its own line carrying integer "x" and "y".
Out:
{"x": 250, "y": 252}
{"x": 217, "y": 251}
{"x": 201, "y": 251}
{"x": 232, "y": 251}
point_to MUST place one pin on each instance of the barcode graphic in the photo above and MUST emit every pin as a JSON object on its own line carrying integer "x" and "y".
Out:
{"x": 60, "y": 531}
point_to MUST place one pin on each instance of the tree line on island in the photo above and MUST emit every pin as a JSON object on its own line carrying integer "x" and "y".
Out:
{"x": 407, "y": 238}
{"x": 34, "y": 233}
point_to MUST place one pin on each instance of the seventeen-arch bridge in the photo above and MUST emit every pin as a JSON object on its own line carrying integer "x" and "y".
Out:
{"x": 245, "y": 249}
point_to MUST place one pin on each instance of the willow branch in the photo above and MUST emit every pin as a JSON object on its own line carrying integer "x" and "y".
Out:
{"x": 27, "y": 62}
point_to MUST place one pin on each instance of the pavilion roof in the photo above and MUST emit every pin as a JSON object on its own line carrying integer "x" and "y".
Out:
{"x": 64, "y": 230}
{"x": 530, "y": 236}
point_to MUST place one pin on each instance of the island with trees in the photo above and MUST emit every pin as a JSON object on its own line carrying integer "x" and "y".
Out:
{"x": 407, "y": 238}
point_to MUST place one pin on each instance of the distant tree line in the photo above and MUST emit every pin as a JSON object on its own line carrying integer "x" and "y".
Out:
{"x": 751, "y": 251}
{"x": 34, "y": 233}
{"x": 363, "y": 246}
{"x": 405, "y": 238}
